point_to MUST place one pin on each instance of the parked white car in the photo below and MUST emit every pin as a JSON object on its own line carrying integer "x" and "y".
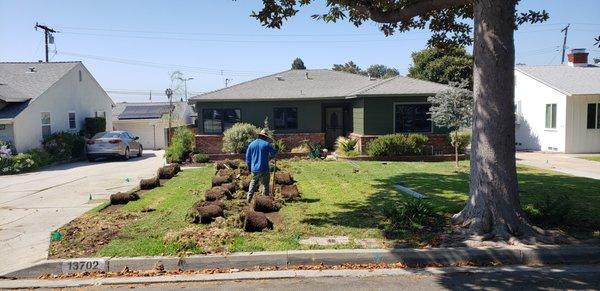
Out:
{"x": 113, "y": 144}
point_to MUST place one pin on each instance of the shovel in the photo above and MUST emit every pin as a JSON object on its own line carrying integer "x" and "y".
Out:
{"x": 272, "y": 184}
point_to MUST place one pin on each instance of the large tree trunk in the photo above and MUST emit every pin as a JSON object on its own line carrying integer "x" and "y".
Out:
{"x": 493, "y": 208}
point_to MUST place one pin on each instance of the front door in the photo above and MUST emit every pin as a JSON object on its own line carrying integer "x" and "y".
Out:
{"x": 334, "y": 125}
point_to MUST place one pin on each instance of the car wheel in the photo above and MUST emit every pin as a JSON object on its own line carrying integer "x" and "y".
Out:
{"x": 91, "y": 158}
{"x": 139, "y": 154}
{"x": 127, "y": 155}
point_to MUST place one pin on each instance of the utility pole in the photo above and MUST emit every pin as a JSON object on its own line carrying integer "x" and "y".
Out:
{"x": 169, "y": 94}
{"x": 47, "y": 35}
{"x": 185, "y": 86}
{"x": 564, "y": 47}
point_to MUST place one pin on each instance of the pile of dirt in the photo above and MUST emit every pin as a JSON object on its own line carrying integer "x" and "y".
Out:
{"x": 87, "y": 234}
{"x": 227, "y": 199}
{"x": 210, "y": 240}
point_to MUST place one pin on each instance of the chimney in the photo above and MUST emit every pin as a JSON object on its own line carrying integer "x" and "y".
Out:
{"x": 578, "y": 58}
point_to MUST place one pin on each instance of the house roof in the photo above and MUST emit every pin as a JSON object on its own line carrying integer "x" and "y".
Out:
{"x": 28, "y": 84}
{"x": 566, "y": 79}
{"x": 317, "y": 84}
{"x": 401, "y": 85}
{"x": 147, "y": 110}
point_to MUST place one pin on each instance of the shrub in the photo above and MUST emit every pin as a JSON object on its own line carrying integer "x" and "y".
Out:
{"x": 394, "y": 145}
{"x": 346, "y": 146}
{"x": 182, "y": 144}
{"x": 5, "y": 151}
{"x": 549, "y": 212}
{"x": 40, "y": 157}
{"x": 279, "y": 145}
{"x": 413, "y": 214}
{"x": 6, "y": 165}
{"x": 237, "y": 138}
{"x": 460, "y": 139}
{"x": 64, "y": 146}
{"x": 94, "y": 125}
{"x": 22, "y": 163}
{"x": 301, "y": 149}
{"x": 200, "y": 158}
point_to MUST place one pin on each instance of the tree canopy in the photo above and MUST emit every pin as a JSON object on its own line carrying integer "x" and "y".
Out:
{"x": 298, "y": 64}
{"x": 375, "y": 71}
{"x": 445, "y": 66}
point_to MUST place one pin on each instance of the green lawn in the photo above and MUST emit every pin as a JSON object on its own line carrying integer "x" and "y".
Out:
{"x": 591, "y": 158}
{"x": 336, "y": 200}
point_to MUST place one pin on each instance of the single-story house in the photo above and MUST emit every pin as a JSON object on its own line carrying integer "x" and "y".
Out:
{"x": 558, "y": 107}
{"x": 319, "y": 105}
{"x": 38, "y": 99}
{"x": 150, "y": 121}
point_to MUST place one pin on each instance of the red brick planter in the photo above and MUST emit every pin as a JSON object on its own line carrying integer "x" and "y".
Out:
{"x": 212, "y": 144}
{"x": 436, "y": 158}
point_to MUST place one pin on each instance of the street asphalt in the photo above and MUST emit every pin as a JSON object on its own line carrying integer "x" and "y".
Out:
{"x": 32, "y": 205}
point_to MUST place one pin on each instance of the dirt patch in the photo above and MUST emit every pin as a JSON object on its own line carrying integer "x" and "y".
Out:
{"x": 85, "y": 235}
{"x": 210, "y": 240}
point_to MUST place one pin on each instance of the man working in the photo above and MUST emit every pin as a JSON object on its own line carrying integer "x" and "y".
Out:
{"x": 257, "y": 157}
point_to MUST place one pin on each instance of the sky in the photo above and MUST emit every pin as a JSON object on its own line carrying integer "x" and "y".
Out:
{"x": 133, "y": 47}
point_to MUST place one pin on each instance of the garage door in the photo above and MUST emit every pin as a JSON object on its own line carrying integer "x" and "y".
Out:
{"x": 151, "y": 136}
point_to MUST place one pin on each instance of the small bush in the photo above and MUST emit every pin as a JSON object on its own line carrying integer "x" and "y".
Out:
{"x": 279, "y": 145}
{"x": 200, "y": 158}
{"x": 22, "y": 163}
{"x": 40, "y": 157}
{"x": 413, "y": 214}
{"x": 6, "y": 165}
{"x": 237, "y": 138}
{"x": 460, "y": 138}
{"x": 64, "y": 146}
{"x": 549, "y": 212}
{"x": 394, "y": 145}
{"x": 182, "y": 144}
{"x": 301, "y": 149}
{"x": 345, "y": 146}
{"x": 94, "y": 125}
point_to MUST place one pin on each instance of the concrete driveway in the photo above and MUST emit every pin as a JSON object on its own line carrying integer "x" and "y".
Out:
{"x": 32, "y": 205}
{"x": 565, "y": 163}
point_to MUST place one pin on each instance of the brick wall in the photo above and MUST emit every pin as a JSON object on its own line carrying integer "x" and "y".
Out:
{"x": 212, "y": 144}
{"x": 437, "y": 142}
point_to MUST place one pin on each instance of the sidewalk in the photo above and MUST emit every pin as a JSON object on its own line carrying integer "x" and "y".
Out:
{"x": 564, "y": 163}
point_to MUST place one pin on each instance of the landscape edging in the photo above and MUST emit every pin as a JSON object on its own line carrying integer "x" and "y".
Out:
{"x": 438, "y": 257}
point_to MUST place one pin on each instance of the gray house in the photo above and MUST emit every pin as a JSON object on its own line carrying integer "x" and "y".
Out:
{"x": 319, "y": 105}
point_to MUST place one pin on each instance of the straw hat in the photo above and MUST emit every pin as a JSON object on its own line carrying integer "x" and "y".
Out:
{"x": 264, "y": 133}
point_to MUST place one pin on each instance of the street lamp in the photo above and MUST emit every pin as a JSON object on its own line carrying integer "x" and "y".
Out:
{"x": 169, "y": 94}
{"x": 185, "y": 85}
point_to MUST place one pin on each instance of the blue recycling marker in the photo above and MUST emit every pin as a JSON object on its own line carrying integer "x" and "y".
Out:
{"x": 377, "y": 257}
{"x": 127, "y": 180}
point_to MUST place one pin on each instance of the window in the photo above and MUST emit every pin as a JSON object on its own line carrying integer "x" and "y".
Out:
{"x": 550, "y": 115}
{"x": 72, "y": 121}
{"x": 80, "y": 78}
{"x": 100, "y": 114}
{"x": 412, "y": 118}
{"x": 216, "y": 121}
{"x": 593, "y": 116}
{"x": 46, "y": 129}
{"x": 286, "y": 118}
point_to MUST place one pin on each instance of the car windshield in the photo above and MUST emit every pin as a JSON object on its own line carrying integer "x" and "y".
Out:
{"x": 108, "y": 134}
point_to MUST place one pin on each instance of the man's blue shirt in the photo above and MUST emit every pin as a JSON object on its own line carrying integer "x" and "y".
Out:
{"x": 257, "y": 155}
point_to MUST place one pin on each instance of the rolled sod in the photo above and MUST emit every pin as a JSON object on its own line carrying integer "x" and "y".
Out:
{"x": 169, "y": 171}
{"x": 206, "y": 203}
{"x": 123, "y": 198}
{"x": 265, "y": 204}
{"x": 150, "y": 183}
{"x": 256, "y": 221}
{"x": 215, "y": 193}
{"x": 231, "y": 187}
{"x": 245, "y": 184}
{"x": 204, "y": 214}
{"x": 224, "y": 173}
{"x": 290, "y": 192}
{"x": 218, "y": 180}
{"x": 283, "y": 178}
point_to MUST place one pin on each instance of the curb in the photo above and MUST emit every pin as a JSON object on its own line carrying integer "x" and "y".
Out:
{"x": 439, "y": 257}
{"x": 282, "y": 274}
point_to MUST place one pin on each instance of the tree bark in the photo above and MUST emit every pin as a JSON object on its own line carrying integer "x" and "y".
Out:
{"x": 456, "y": 144}
{"x": 493, "y": 208}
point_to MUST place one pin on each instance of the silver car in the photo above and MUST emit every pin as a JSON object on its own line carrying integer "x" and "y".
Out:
{"x": 113, "y": 144}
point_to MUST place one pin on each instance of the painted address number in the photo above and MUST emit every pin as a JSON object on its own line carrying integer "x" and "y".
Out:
{"x": 83, "y": 266}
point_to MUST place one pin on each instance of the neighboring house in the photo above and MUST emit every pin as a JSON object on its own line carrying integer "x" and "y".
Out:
{"x": 558, "y": 107}
{"x": 150, "y": 121}
{"x": 37, "y": 99}
{"x": 320, "y": 106}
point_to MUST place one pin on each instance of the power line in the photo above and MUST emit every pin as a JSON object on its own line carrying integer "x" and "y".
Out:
{"x": 210, "y": 71}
